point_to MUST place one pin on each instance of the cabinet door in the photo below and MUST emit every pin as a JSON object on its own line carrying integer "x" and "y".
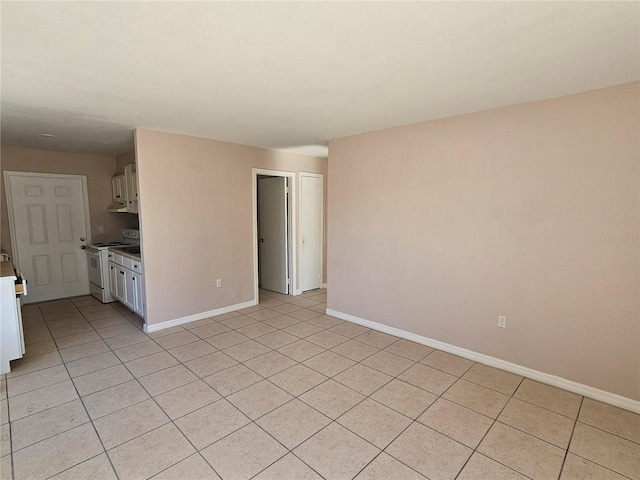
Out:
{"x": 129, "y": 287}
{"x": 123, "y": 188}
{"x": 121, "y": 285}
{"x": 113, "y": 279}
{"x": 115, "y": 189}
{"x": 133, "y": 193}
{"x": 119, "y": 188}
{"x": 138, "y": 306}
{"x": 131, "y": 187}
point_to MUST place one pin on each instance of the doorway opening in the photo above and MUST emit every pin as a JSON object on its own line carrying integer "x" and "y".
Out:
{"x": 274, "y": 228}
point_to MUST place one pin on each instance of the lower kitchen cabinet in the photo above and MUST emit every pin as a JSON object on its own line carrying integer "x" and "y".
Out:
{"x": 121, "y": 286}
{"x": 113, "y": 279}
{"x": 126, "y": 284}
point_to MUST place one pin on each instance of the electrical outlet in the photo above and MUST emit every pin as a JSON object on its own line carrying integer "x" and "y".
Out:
{"x": 100, "y": 229}
{"x": 502, "y": 321}
{"x": 219, "y": 283}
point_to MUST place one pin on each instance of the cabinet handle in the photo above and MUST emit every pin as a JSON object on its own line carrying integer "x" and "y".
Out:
{"x": 133, "y": 278}
{"x": 121, "y": 272}
{"x": 111, "y": 268}
{"x": 135, "y": 266}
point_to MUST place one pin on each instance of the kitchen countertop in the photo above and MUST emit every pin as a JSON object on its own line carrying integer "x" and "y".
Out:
{"x": 6, "y": 269}
{"x": 125, "y": 253}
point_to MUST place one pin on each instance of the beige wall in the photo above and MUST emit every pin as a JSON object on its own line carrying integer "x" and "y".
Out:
{"x": 196, "y": 219}
{"x": 124, "y": 160}
{"x": 438, "y": 227}
{"x": 98, "y": 169}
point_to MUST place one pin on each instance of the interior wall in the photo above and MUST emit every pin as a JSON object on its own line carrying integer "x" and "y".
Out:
{"x": 196, "y": 219}
{"x": 98, "y": 169}
{"x": 529, "y": 211}
{"x": 125, "y": 159}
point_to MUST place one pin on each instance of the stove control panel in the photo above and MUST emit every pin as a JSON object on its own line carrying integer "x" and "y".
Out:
{"x": 131, "y": 233}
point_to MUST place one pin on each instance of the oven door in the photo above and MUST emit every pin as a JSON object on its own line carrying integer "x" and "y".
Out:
{"x": 95, "y": 267}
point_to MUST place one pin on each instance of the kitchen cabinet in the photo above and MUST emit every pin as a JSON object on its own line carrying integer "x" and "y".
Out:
{"x": 113, "y": 279}
{"x": 124, "y": 189}
{"x": 12, "y": 338}
{"x": 119, "y": 188}
{"x": 119, "y": 194}
{"x": 132, "y": 187}
{"x": 121, "y": 286}
{"x": 138, "y": 292}
{"x": 127, "y": 282}
{"x": 118, "y": 282}
{"x": 129, "y": 289}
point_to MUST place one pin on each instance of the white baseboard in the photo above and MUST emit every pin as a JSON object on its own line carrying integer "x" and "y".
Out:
{"x": 579, "y": 388}
{"x": 324, "y": 285}
{"x": 154, "y": 327}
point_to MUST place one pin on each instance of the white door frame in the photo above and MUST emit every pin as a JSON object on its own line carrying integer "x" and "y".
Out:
{"x": 15, "y": 248}
{"x": 316, "y": 175}
{"x": 293, "y": 274}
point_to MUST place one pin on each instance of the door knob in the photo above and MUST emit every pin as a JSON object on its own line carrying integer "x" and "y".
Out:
{"x": 83, "y": 247}
{"x": 82, "y": 239}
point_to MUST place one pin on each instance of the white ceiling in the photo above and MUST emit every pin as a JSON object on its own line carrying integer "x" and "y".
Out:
{"x": 292, "y": 75}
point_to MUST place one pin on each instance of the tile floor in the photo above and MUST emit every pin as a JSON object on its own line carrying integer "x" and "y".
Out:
{"x": 282, "y": 391}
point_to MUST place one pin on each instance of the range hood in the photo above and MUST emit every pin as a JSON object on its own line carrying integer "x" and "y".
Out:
{"x": 117, "y": 207}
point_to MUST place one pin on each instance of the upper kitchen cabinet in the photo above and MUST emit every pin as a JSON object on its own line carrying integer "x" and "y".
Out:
{"x": 125, "y": 191}
{"x": 132, "y": 187}
{"x": 119, "y": 194}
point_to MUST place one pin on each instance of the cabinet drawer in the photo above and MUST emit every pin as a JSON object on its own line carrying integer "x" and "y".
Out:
{"x": 127, "y": 263}
{"x": 137, "y": 266}
{"x": 117, "y": 258}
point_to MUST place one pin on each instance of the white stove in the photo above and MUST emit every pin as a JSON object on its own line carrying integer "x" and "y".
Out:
{"x": 98, "y": 261}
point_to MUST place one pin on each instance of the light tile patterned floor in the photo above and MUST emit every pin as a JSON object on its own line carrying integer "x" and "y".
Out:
{"x": 282, "y": 391}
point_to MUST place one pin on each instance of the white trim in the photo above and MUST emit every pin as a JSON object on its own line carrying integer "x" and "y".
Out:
{"x": 154, "y": 327}
{"x": 579, "y": 388}
{"x": 321, "y": 176}
{"x": 294, "y": 225}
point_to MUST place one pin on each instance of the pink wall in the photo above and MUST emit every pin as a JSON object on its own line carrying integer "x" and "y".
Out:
{"x": 98, "y": 169}
{"x": 438, "y": 227}
{"x": 196, "y": 219}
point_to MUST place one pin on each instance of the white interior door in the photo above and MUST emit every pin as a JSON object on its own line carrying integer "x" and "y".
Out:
{"x": 311, "y": 231}
{"x": 49, "y": 228}
{"x": 272, "y": 234}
